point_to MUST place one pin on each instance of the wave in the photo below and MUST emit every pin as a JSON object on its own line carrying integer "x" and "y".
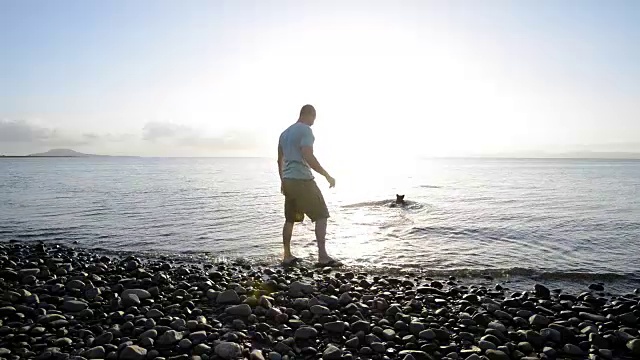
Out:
{"x": 526, "y": 272}
{"x": 199, "y": 258}
{"x": 385, "y": 203}
{"x": 369, "y": 204}
{"x": 430, "y": 186}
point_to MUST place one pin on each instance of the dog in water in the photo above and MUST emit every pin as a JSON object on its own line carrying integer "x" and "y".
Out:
{"x": 399, "y": 201}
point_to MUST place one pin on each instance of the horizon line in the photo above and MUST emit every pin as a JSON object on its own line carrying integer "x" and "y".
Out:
{"x": 629, "y": 156}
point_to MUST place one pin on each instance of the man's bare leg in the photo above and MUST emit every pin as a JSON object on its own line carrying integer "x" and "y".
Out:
{"x": 287, "y": 232}
{"x": 321, "y": 233}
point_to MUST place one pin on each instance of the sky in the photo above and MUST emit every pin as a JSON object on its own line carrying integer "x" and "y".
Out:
{"x": 388, "y": 78}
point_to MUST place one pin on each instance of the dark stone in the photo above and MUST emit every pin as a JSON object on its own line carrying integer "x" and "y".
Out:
{"x": 305, "y": 332}
{"x": 492, "y": 339}
{"x": 542, "y": 291}
{"x": 534, "y": 338}
{"x": 592, "y": 317}
{"x": 97, "y": 352}
{"x": 239, "y": 310}
{"x": 103, "y": 339}
{"x": 573, "y": 350}
{"x": 596, "y": 287}
{"x": 332, "y": 353}
{"x": 416, "y": 354}
{"x": 74, "y": 305}
{"x": 335, "y": 326}
{"x": 634, "y": 346}
{"x": 228, "y": 297}
{"x": 496, "y": 355}
{"x": 361, "y": 325}
{"x": 538, "y": 321}
{"x": 353, "y": 342}
{"x": 133, "y": 352}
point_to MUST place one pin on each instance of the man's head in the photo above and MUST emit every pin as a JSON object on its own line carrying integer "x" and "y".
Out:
{"x": 307, "y": 115}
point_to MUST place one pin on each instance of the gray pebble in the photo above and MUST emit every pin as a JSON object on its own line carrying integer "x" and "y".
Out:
{"x": 201, "y": 349}
{"x": 332, "y": 353}
{"x": 74, "y": 305}
{"x": 239, "y": 310}
{"x": 133, "y": 352}
{"x": 538, "y": 321}
{"x": 572, "y": 350}
{"x": 335, "y": 326}
{"x": 305, "y": 332}
{"x": 378, "y": 347}
{"x": 320, "y": 310}
{"x": 497, "y": 355}
{"x": 140, "y": 293}
{"x": 634, "y": 346}
{"x": 228, "y": 350}
{"x": 185, "y": 344}
{"x": 228, "y": 297}
{"x": 103, "y": 339}
{"x": 428, "y": 334}
{"x": 170, "y": 337}
{"x": 97, "y": 352}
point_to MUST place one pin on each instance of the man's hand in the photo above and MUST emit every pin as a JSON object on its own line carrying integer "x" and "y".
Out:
{"x": 281, "y": 187}
{"x": 332, "y": 181}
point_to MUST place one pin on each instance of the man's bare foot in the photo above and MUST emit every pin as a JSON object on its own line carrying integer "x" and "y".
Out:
{"x": 289, "y": 260}
{"x": 328, "y": 261}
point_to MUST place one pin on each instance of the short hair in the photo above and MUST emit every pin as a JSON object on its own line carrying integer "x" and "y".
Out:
{"x": 307, "y": 110}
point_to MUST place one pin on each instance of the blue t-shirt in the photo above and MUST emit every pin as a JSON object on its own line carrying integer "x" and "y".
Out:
{"x": 291, "y": 141}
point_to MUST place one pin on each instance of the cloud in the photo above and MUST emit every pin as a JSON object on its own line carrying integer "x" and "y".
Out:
{"x": 185, "y": 136}
{"x": 19, "y": 136}
{"x": 91, "y": 136}
{"x": 154, "y": 139}
{"x": 108, "y": 137}
{"x": 154, "y": 130}
{"x": 22, "y": 131}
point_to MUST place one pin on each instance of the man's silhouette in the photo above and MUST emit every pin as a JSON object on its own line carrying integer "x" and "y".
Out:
{"x": 302, "y": 195}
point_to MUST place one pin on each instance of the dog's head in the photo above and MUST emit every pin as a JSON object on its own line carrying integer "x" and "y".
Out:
{"x": 399, "y": 199}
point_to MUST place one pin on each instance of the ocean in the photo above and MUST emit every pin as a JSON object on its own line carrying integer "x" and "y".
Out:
{"x": 556, "y": 219}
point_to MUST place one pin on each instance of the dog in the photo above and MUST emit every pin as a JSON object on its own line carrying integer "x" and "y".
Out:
{"x": 399, "y": 201}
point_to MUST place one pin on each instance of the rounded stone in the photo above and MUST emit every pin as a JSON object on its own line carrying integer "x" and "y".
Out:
{"x": 133, "y": 352}
{"x": 185, "y": 344}
{"x": 239, "y": 310}
{"x": 74, "y": 305}
{"x": 228, "y": 350}
{"x": 332, "y": 353}
{"x": 201, "y": 349}
{"x": 634, "y": 346}
{"x": 538, "y": 321}
{"x": 305, "y": 332}
{"x": 320, "y": 310}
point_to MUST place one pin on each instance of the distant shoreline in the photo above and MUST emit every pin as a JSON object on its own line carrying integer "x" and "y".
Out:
{"x": 62, "y": 156}
{"x": 267, "y": 157}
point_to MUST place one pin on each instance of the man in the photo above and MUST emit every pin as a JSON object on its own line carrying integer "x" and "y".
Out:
{"x": 302, "y": 195}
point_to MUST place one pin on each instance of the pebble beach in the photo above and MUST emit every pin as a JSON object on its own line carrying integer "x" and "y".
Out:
{"x": 60, "y": 302}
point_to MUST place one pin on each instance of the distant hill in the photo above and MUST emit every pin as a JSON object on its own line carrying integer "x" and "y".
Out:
{"x": 62, "y": 153}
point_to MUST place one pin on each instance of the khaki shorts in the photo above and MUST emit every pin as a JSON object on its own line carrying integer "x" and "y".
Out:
{"x": 303, "y": 197}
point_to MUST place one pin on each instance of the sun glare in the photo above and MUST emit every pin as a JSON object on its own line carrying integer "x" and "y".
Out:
{"x": 379, "y": 90}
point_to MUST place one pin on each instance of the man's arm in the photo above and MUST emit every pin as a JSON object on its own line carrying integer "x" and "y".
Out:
{"x": 310, "y": 158}
{"x": 280, "y": 161}
{"x": 280, "y": 167}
